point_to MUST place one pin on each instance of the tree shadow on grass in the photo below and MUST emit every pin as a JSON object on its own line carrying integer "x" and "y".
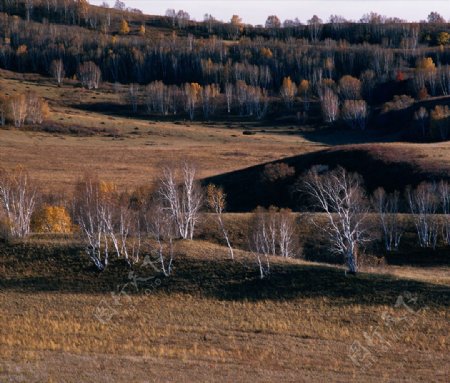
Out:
{"x": 42, "y": 269}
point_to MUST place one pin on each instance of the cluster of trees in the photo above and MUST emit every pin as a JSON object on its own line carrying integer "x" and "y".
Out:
{"x": 350, "y": 68}
{"x": 433, "y": 124}
{"x": 163, "y": 99}
{"x": 341, "y": 196}
{"x": 258, "y": 60}
{"x": 148, "y": 221}
{"x": 23, "y": 108}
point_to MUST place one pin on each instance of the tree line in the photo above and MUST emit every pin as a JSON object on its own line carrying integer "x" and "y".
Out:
{"x": 148, "y": 221}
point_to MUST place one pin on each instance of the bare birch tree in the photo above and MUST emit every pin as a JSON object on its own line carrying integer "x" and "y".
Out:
{"x": 107, "y": 222}
{"x": 329, "y": 102}
{"x": 18, "y": 107}
{"x": 88, "y": 213}
{"x": 286, "y": 234}
{"x": 160, "y": 227}
{"x": 89, "y": 75}
{"x": 423, "y": 203}
{"x": 37, "y": 108}
{"x": 354, "y": 113}
{"x": 272, "y": 233}
{"x": 229, "y": 95}
{"x": 217, "y": 202}
{"x": 57, "y": 70}
{"x": 17, "y": 200}
{"x": 444, "y": 196}
{"x": 341, "y": 196}
{"x": 259, "y": 242}
{"x": 387, "y": 206}
{"x": 133, "y": 96}
{"x": 182, "y": 197}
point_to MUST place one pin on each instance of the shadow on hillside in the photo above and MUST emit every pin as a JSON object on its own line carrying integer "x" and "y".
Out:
{"x": 346, "y": 136}
{"x": 108, "y": 108}
{"x": 246, "y": 188}
{"x": 28, "y": 269}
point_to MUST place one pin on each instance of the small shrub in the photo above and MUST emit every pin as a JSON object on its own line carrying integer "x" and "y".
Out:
{"x": 52, "y": 219}
{"x": 277, "y": 171}
{"x": 398, "y": 103}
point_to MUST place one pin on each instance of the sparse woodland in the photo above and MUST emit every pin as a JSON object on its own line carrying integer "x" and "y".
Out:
{"x": 147, "y": 221}
{"x": 209, "y": 200}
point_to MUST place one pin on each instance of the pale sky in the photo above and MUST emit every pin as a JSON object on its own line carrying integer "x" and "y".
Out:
{"x": 256, "y": 11}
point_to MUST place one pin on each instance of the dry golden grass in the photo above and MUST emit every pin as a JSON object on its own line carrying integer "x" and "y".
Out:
{"x": 296, "y": 326}
{"x": 213, "y": 320}
{"x": 141, "y": 146}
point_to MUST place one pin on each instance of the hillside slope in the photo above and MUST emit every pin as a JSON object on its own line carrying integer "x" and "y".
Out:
{"x": 391, "y": 165}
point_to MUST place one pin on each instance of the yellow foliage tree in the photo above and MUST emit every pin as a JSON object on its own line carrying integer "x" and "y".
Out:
{"x": 303, "y": 88}
{"x": 443, "y": 38}
{"x": 52, "y": 219}
{"x": 142, "y": 30}
{"x": 192, "y": 92}
{"x": 288, "y": 92}
{"x": 124, "y": 28}
{"x": 425, "y": 63}
{"x": 440, "y": 123}
{"x": 267, "y": 53}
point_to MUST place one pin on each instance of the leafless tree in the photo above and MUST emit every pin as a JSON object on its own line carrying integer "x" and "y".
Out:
{"x": 121, "y": 225}
{"x": 89, "y": 75}
{"x": 209, "y": 94}
{"x": 17, "y": 200}
{"x": 354, "y": 113}
{"x": 444, "y": 79}
{"x": 182, "y": 197}
{"x": 330, "y": 105}
{"x": 88, "y": 206}
{"x": 421, "y": 116}
{"x": 172, "y": 15}
{"x": 133, "y": 96}
{"x": 229, "y": 95}
{"x": 259, "y": 242}
{"x": 217, "y": 202}
{"x": 286, "y": 234}
{"x": 18, "y": 107}
{"x": 160, "y": 227}
{"x": 444, "y": 196}
{"x": 315, "y": 27}
{"x": 423, "y": 203}
{"x": 57, "y": 70}
{"x": 156, "y": 97}
{"x": 387, "y": 206}
{"x": 341, "y": 196}
{"x": 272, "y": 233}
{"x": 37, "y": 108}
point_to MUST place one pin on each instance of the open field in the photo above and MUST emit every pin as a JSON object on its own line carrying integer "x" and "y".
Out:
{"x": 133, "y": 153}
{"x": 129, "y": 151}
{"x": 215, "y": 320}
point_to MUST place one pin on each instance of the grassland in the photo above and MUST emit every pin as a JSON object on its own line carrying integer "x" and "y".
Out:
{"x": 91, "y": 131}
{"x": 215, "y": 320}
{"x": 131, "y": 150}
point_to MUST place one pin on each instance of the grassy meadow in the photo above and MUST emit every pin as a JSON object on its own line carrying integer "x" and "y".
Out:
{"x": 213, "y": 319}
